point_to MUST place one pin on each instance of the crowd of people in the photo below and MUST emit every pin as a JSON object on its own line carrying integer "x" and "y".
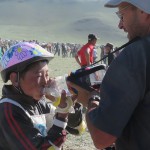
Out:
{"x": 57, "y": 48}
{"x": 65, "y": 49}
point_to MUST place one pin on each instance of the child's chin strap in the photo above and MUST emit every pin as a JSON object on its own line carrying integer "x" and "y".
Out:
{"x": 18, "y": 88}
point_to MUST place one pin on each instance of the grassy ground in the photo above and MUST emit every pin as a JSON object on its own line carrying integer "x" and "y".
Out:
{"x": 82, "y": 142}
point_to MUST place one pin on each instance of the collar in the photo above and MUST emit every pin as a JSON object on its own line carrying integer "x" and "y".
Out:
{"x": 8, "y": 91}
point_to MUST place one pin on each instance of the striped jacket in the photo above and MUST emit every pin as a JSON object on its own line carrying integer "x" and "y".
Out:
{"x": 17, "y": 128}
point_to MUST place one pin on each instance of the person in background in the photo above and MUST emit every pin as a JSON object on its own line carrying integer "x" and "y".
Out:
{"x": 57, "y": 49}
{"x": 102, "y": 51}
{"x": 108, "y": 48}
{"x": 117, "y": 52}
{"x": 120, "y": 112}
{"x": 25, "y": 114}
{"x": 95, "y": 55}
{"x": 84, "y": 56}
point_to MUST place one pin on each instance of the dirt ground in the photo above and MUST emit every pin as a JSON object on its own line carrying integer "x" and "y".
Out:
{"x": 82, "y": 142}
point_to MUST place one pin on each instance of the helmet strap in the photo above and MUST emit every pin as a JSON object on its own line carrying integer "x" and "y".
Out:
{"x": 18, "y": 88}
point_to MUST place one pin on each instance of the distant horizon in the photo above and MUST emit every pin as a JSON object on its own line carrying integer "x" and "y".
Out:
{"x": 59, "y": 21}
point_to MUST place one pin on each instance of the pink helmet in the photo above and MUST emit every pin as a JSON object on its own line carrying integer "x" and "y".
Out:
{"x": 21, "y": 55}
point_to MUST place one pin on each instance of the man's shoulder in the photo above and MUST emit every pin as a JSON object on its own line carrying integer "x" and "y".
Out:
{"x": 139, "y": 45}
{"x": 141, "y": 42}
{"x": 82, "y": 48}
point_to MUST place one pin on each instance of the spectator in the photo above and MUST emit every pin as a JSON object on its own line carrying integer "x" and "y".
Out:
{"x": 108, "y": 48}
{"x": 95, "y": 55}
{"x": 64, "y": 50}
{"x": 57, "y": 49}
{"x": 117, "y": 52}
{"x": 84, "y": 56}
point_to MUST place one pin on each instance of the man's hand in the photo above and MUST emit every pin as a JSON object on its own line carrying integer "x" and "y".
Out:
{"x": 82, "y": 94}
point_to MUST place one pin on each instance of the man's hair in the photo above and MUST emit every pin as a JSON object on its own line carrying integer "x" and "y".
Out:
{"x": 91, "y": 37}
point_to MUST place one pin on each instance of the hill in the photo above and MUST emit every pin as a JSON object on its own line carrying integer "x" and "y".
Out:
{"x": 59, "y": 20}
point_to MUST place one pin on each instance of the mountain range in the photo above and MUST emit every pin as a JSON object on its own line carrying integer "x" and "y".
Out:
{"x": 59, "y": 21}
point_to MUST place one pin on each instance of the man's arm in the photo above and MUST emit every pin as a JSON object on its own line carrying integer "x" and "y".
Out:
{"x": 87, "y": 56}
{"x": 100, "y": 139}
{"x": 77, "y": 59}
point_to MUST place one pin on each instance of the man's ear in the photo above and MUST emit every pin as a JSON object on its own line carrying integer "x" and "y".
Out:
{"x": 144, "y": 15}
{"x": 14, "y": 79}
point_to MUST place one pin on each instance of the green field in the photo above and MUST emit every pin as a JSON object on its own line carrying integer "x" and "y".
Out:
{"x": 60, "y": 66}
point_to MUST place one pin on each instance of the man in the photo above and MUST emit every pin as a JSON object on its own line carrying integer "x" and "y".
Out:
{"x": 108, "y": 48}
{"x": 95, "y": 54}
{"x": 123, "y": 114}
{"x": 84, "y": 56}
{"x": 57, "y": 46}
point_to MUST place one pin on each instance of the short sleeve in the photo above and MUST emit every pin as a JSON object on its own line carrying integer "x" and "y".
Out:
{"x": 121, "y": 91}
